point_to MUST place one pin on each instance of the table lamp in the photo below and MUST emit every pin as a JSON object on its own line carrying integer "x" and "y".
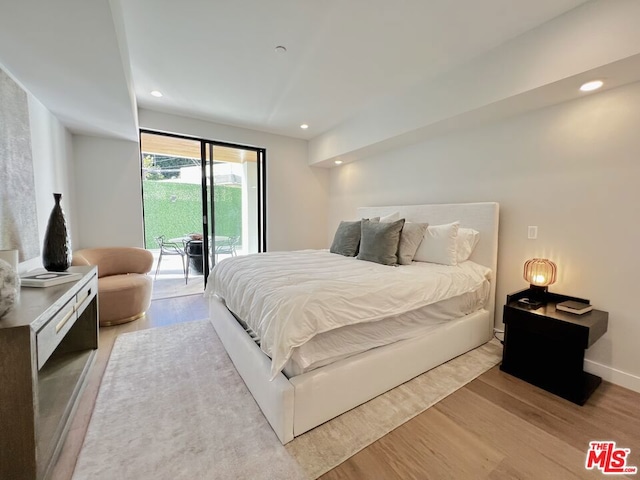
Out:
{"x": 540, "y": 273}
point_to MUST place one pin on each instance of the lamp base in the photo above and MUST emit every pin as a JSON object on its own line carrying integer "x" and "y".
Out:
{"x": 536, "y": 288}
{"x": 538, "y": 293}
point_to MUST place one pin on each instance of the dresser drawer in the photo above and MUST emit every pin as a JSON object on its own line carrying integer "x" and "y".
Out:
{"x": 48, "y": 338}
{"x": 86, "y": 295}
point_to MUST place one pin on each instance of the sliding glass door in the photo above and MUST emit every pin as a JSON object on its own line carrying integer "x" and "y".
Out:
{"x": 234, "y": 191}
{"x": 199, "y": 189}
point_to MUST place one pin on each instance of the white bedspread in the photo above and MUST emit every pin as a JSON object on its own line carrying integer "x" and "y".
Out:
{"x": 289, "y": 297}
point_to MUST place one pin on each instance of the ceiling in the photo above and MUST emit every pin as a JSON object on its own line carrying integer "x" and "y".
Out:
{"x": 217, "y": 60}
{"x": 93, "y": 63}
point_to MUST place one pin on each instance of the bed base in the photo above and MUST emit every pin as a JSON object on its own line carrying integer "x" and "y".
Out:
{"x": 294, "y": 406}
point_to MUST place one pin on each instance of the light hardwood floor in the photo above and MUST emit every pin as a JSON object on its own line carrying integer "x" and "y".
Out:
{"x": 496, "y": 427}
{"x": 499, "y": 427}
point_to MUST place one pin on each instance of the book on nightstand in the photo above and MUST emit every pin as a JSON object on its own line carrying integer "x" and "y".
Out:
{"x": 572, "y": 306}
{"x": 48, "y": 279}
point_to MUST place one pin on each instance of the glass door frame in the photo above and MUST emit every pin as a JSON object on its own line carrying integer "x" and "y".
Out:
{"x": 208, "y": 201}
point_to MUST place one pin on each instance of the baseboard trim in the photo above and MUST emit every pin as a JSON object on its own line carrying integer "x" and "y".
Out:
{"x": 624, "y": 379}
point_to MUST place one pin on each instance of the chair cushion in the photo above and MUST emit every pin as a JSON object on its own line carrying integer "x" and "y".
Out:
{"x": 122, "y": 297}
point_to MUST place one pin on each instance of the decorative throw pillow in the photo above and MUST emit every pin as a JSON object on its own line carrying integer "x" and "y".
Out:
{"x": 346, "y": 239}
{"x": 439, "y": 244}
{"x": 392, "y": 217}
{"x": 410, "y": 238}
{"x": 379, "y": 241}
{"x": 467, "y": 241}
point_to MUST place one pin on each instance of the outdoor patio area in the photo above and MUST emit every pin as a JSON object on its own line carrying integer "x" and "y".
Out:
{"x": 170, "y": 279}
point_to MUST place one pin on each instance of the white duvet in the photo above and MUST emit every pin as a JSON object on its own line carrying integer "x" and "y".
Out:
{"x": 289, "y": 297}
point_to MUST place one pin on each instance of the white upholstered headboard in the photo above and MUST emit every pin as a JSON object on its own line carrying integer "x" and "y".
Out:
{"x": 480, "y": 216}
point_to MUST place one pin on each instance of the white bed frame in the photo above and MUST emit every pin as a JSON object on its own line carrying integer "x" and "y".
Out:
{"x": 294, "y": 406}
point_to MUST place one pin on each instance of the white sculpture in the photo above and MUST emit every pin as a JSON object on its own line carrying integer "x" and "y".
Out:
{"x": 9, "y": 287}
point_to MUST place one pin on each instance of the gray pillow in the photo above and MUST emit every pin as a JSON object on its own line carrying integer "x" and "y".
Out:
{"x": 379, "y": 241}
{"x": 410, "y": 238}
{"x": 346, "y": 239}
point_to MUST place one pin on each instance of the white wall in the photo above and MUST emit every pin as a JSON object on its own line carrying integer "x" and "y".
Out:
{"x": 296, "y": 192}
{"x": 571, "y": 169}
{"x": 53, "y": 172}
{"x": 99, "y": 179}
{"x": 108, "y": 192}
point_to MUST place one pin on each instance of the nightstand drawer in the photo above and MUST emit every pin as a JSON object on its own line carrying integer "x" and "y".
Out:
{"x": 48, "y": 338}
{"x": 534, "y": 322}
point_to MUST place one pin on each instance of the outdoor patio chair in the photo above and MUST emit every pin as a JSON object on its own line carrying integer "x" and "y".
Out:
{"x": 169, "y": 248}
{"x": 227, "y": 247}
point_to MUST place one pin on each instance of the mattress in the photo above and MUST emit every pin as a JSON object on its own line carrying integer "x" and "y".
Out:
{"x": 335, "y": 345}
{"x": 288, "y": 298}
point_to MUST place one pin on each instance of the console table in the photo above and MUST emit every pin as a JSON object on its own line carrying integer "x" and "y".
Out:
{"x": 48, "y": 343}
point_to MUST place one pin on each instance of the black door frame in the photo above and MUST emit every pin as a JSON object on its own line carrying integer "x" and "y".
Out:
{"x": 209, "y": 219}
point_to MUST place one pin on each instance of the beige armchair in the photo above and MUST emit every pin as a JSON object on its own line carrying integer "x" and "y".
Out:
{"x": 124, "y": 288}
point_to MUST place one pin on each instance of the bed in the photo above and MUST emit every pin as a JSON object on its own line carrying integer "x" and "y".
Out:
{"x": 295, "y": 394}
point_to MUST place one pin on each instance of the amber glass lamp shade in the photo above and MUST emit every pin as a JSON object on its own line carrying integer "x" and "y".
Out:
{"x": 540, "y": 273}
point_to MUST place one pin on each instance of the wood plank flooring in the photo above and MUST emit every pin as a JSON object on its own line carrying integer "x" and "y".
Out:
{"x": 499, "y": 427}
{"x": 496, "y": 427}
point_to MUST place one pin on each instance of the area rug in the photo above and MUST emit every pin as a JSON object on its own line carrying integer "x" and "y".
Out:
{"x": 172, "y": 406}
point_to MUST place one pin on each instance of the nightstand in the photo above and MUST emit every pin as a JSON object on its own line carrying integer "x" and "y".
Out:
{"x": 545, "y": 346}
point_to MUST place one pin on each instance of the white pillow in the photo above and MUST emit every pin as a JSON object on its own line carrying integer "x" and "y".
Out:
{"x": 467, "y": 241}
{"x": 410, "y": 239}
{"x": 392, "y": 217}
{"x": 439, "y": 245}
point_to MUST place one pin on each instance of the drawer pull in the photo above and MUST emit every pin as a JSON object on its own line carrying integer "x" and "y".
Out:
{"x": 66, "y": 318}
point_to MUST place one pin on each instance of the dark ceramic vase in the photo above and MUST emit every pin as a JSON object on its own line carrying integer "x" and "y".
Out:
{"x": 56, "y": 254}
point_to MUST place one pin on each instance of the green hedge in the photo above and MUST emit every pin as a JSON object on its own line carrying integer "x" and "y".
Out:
{"x": 175, "y": 209}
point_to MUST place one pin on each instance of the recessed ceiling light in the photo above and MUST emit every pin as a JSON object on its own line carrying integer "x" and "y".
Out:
{"x": 590, "y": 86}
{"x": 281, "y": 49}
{"x": 338, "y": 162}
{"x": 304, "y": 126}
{"x": 156, "y": 93}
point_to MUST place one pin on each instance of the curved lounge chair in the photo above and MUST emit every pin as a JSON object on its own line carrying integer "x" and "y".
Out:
{"x": 124, "y": 288}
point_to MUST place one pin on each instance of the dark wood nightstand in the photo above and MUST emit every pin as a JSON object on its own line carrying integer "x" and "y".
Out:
{"x": 545, "y": 346}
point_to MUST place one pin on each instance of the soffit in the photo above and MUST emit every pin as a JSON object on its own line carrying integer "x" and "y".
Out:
{"x": 188, "y": 148}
